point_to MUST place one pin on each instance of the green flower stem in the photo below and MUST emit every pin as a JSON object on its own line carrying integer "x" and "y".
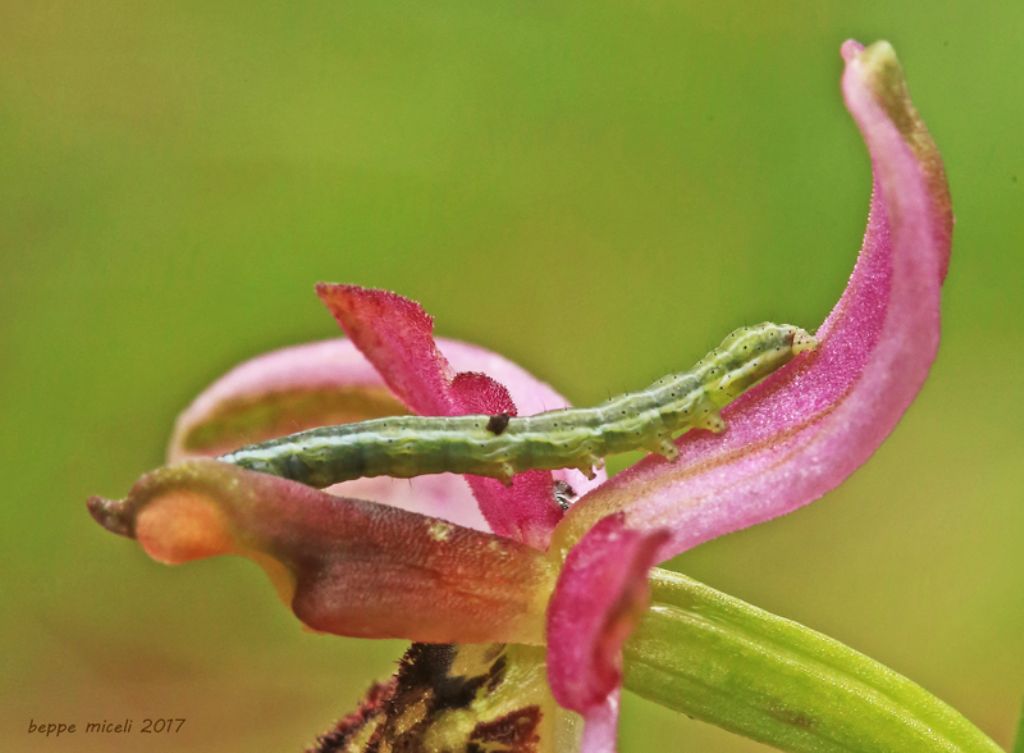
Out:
{"x": 716, "y": 658}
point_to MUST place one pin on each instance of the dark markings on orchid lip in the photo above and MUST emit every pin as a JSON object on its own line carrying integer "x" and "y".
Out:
{"x": 496, "y": 674}
{"x": 428, "y": 665}
{"x": 564, "y": 494}
{"x": 397, "y": 716}
{"x": 516, "y": 731}
{"x": 371, "y": 710}
{"x": 497, "y": 423}
{"x": 501, "y": 446}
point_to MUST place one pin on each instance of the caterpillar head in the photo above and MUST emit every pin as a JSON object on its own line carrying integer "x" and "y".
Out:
{"x": 749, "y": 354}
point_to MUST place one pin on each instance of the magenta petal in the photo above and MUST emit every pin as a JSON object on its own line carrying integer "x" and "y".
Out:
{"x": 601, "y": 592}
{"x": 478, "y": 393}
{"x": 810, "y": 425}
{"x": 396, "y": 336}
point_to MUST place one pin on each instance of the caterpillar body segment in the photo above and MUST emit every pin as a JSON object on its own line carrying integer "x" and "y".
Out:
{"x": 501, "y": 446}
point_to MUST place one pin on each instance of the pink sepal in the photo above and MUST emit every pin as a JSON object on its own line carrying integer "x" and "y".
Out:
{"x": 808, "y": 426}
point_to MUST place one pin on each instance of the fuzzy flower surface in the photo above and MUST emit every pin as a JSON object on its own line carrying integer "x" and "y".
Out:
{"x": 519, "y": 611}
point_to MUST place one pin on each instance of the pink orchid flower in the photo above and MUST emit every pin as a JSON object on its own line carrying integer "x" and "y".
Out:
{"x": 438, "y": 561}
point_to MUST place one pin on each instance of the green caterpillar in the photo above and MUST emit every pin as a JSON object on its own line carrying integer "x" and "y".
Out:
{"x": 501, "y": 446}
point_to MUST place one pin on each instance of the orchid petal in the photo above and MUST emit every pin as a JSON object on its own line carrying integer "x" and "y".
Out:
{"x": 345, "y": 566}
{"x": 601, "y": 594}
{"x": 811, "y": 424}
{"x": 281, "y": 392}
{"x": 396, "y": 336}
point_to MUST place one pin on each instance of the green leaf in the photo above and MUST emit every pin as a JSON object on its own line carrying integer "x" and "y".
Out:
{"x": 716, "y": 658}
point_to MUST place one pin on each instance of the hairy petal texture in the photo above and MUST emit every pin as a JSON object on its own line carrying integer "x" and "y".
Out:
{"x": 808, "y": 426}
{"x": 601, "y": 594}
{"x": 396, "y": 336}
{"x": 345, "y": 566}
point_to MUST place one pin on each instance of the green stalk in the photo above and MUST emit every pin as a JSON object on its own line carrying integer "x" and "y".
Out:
{"x": 719, "y": 659}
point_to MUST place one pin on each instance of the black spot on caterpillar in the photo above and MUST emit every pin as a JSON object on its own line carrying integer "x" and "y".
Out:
{"x": 498, "y": 423}
{"x": 406, "y": 446}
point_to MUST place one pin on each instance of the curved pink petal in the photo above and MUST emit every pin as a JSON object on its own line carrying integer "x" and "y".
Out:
{"x": 281, "y": 392}
{"x": 396, "y": 336}
{"x": 345, "y": 566}
{"x": 601, "y": 593}
{"x": 811, "y": 424}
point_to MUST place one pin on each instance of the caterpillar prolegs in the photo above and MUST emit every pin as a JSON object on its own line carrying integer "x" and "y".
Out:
{"x": 501, "y": 446}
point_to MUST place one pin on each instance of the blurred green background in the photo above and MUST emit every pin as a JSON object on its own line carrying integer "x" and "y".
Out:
{"x": 598, "y": 189}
